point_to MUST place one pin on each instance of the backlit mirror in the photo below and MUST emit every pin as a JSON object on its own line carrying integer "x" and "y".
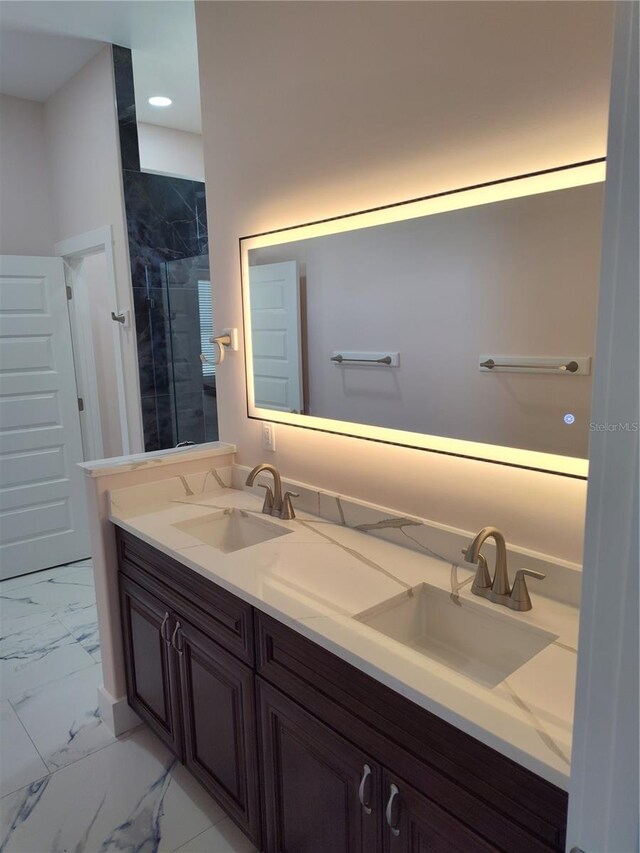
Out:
{"x": 462, "y": 323}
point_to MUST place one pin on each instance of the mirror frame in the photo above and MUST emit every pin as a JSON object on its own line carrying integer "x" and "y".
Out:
{"x": 548, "y": 180}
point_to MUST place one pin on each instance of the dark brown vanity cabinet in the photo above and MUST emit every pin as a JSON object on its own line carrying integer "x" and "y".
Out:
{"x": 196, "y": 696}
{"x": 318, "y": 789}
{"x": 305, "y": 752}
{"x": 415, "y": 824}
{"x": 321, "y": 793}
{"x": 431, "y": 787}
{"x": 150, "y": 662}
{"x": 219, "y": 732}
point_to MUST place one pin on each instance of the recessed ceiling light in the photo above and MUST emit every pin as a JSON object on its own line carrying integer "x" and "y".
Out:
{"x": 160, "y": 101}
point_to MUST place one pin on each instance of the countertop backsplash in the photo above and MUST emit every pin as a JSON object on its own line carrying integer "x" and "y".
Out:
{"x": 562, "y": 582}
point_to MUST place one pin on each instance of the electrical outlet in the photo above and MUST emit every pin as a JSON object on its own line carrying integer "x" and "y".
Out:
{"x": 268, "y": 436}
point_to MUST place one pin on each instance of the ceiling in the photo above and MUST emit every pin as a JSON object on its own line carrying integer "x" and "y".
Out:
{"x": 43, "y": 43}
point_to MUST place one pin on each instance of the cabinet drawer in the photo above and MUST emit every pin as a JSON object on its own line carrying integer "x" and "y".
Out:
{"x": 216, "y": 612}
{"x": 502, "y": 801}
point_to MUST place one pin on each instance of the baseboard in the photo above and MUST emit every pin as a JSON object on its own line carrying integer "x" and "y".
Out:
{"x": 116, "y": 714}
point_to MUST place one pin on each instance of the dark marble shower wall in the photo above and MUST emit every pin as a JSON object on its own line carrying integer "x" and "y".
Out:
{"x": 166, "y": 221}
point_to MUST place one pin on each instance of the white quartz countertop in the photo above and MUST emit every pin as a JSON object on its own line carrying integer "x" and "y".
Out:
{"x": 320, "y": 574}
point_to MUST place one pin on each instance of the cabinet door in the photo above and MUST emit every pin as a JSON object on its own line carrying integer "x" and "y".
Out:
{"x": 150, "y": 661}
{"x": 219, "y": 725}
{"x": 320, "y": 793}
{"x": 414, "y": 824}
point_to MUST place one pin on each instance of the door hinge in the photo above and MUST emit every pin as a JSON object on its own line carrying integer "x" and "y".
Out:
{"x": 69, "y": 292}
{"x": 80, "y": 404}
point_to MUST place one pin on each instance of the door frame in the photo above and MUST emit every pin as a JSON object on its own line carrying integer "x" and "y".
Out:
{"x": 75, "y": 249}
{"x": 603, "y": 791}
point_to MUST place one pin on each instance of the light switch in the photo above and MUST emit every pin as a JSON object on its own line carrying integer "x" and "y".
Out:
{"x": 268, "y": 436}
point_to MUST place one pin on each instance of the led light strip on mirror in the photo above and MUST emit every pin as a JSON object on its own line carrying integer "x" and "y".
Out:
{"x": 566, "y": 177}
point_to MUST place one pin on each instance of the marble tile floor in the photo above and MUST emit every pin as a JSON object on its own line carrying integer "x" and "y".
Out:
{"x": 66, "y": 784}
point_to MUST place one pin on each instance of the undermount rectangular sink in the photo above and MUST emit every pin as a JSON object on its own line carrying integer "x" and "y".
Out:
{"x": 231, "y": 529}
{"x": 472, "y": 639}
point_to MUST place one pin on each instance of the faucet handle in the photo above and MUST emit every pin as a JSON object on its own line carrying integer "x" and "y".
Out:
{"x": 482, "y": 580}
{"x": 519, "y": 598}
{"x": 287, "y": 507}
{"x": 267, "y": 506}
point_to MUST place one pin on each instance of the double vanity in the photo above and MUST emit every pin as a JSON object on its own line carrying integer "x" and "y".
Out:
{"x": 339, "y": 680}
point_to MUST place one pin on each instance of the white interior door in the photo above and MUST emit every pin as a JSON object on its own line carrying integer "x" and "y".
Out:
{"x": 43, "y": 518}
{"x": 276, "y": 336}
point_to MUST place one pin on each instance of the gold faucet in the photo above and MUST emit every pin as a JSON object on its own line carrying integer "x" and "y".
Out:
{"x": 499, "y": 590}
{"x": 274, "y": 502}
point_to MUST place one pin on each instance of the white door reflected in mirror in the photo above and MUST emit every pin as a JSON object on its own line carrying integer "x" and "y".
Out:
{"x": 277, "y": 336}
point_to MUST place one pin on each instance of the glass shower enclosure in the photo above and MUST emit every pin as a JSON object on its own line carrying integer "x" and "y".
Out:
{"x": 188, "y": 322}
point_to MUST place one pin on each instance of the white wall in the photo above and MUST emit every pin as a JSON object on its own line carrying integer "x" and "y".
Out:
{"x": 26, "y": 226}
{"x": 316, "y": 109}
{"x": 166, "y": 151}
{"x": 83, "y": 163}
{"x": 517, "y": 278}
